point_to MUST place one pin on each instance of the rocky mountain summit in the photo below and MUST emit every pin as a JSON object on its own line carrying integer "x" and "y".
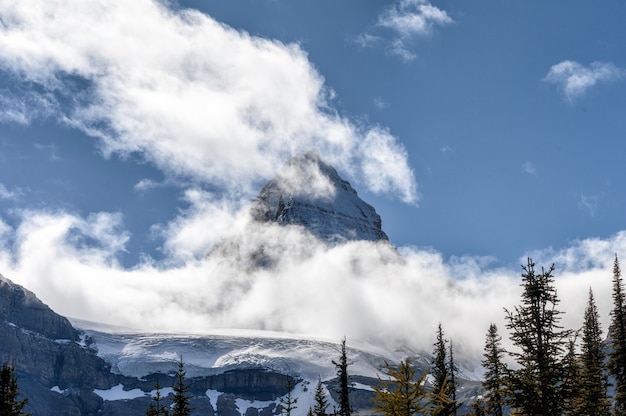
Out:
{"x": 309, "y": 192}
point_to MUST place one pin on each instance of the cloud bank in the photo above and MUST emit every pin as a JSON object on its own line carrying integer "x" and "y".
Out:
{"x": 365, "y": 291}
{"x": 189, "y": 94}
{"x": 575, "y": 79}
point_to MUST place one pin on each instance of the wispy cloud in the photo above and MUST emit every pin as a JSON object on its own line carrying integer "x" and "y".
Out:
{"x": 51, "y": 149}
{"x": 407, "y": 20}
{"x": 575, "y": 79}
{"x": 380, "y": 104}
{"x": 23, "y": 106}
{"x": 146, "y": 184}
{"x": 413, "y": 18}
{"x": 589, "y": 203}
{"x": 11, "y": 195}
{"x": 189, "y": 94}
{"x": 529, "y": 168}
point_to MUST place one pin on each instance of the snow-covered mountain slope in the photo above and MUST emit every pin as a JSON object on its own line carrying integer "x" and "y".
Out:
{"x": 242, "y": 355}
{"x": 136, "y": 354}
{"x": 309, "y": 192}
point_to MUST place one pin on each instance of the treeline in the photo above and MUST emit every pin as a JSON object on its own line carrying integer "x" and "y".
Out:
{"x": 558, "y": 371}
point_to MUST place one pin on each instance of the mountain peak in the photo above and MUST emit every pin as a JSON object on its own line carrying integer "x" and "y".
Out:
{"x": 309, "y": 192}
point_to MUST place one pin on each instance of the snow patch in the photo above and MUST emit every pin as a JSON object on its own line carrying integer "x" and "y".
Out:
{"x": 243, "y": 404}
{"x": 361, "y": 386}
{"x": 213, "y": 395}
{"x": 118, "y": 393}
{"x": 56, "y": 389}
{"x": 164, "y": 392}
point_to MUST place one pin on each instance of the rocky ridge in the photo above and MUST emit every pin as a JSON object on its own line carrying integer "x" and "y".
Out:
{"x": 309, "y": 192}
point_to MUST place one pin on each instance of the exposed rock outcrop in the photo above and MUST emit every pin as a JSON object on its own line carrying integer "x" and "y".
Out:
{"x": 44, "y": 348}
{"x": 309, "y": 192}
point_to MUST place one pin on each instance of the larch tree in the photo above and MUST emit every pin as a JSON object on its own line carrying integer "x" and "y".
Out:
{"x": 399, "y": 394}
{"x": 591, "y": 394}
{"x": 538, "y": 387}
{"x": 344, "y": 381}
{"x": 10, "y": 405}
{"x": 617, "y": 332}
{"x": 495, "y": 371}
{"x": 181, "y": 400}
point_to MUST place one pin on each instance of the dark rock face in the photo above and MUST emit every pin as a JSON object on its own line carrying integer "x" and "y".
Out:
{"x": 252, "y": 384}
{"x": 44, "y": 350}
{"x": 22, "y": 308}
{"x": 309, "y": 192}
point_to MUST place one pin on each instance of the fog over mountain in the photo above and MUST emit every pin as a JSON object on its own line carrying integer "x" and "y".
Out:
{"x": 362, "y": 289}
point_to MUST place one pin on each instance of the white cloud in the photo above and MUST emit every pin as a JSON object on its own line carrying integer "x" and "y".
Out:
{"x": 379, "y": 152}
{"x": 413, "y": 17}
{"x": 363, "y": 290}
{"x": 575, "y": 79}
{"x": 146, "y": 184}
{"x": 406, "y": 19}
{"x": 10, "y": 195}
{"x": 193, "y": 96}
{"x": 25, "y": 106}
{"x": 397, "y": 47}
{"x": 367, "y": 40}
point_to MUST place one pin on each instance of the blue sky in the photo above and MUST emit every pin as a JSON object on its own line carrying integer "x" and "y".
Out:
{"x": 132, "y": 135}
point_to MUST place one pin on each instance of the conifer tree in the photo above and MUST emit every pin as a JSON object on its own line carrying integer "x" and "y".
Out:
{"x": 9, "y": 392}
{"x": 572, "y": 386}
{"x": 181, "y": 399}
{"x": 344, "y": 383}
{"x": 441, "y": 390}
{"x": 452, "y": 387}
{"x": 321, "y": 403}
{"x": 537, "y": 388}
{"x": 157, "y": 408}
{"x": 399, "y": 394}
{"x": 591, "y": 394}
{"x": 478, "y": 407}
{"x": 617, "y": 331}
{"x": 495, "y": 371}
{"x": 288, "y": 403}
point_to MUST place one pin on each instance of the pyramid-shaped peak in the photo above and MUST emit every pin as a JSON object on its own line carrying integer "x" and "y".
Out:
{"x": 309, "y": 192}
